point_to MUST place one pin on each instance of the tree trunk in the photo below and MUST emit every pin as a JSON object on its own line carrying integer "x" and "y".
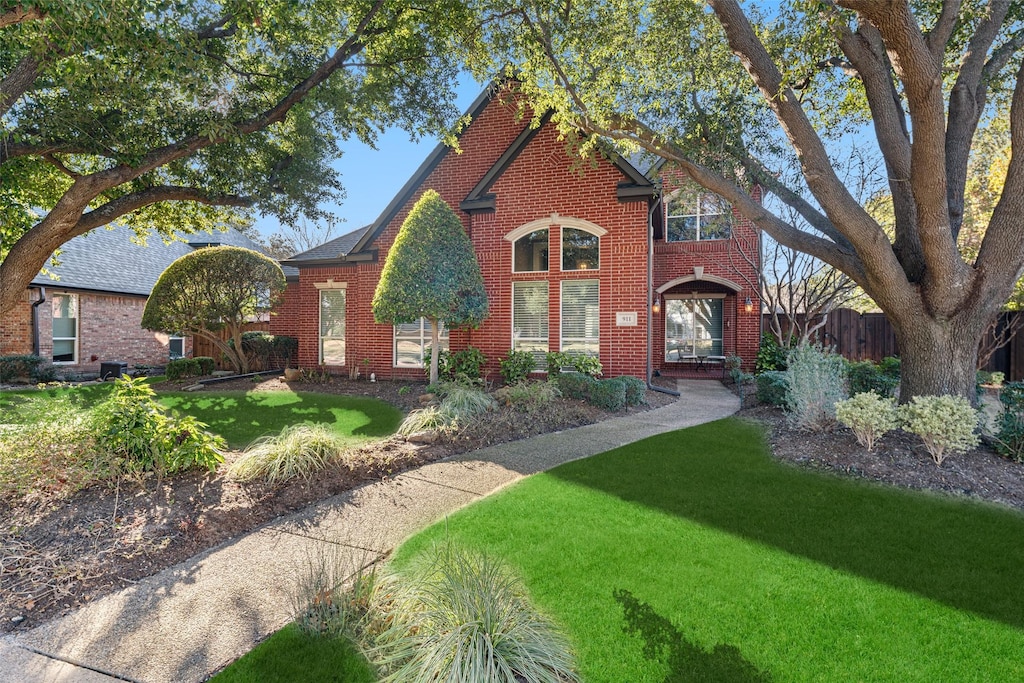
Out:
{"x": 435, "y": 349}
{"x": 937, "y": 357}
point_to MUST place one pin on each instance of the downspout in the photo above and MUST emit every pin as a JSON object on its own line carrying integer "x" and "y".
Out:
{"x": 35, "y": 320}
{"x": 650, "y": 298}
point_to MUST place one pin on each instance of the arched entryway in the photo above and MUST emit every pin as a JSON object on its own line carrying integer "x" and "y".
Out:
{"x": 696, "y": 328}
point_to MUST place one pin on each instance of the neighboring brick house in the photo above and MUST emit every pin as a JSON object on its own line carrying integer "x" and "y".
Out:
{"x": 564, "y": 253}
{"x": 92, "y": 311}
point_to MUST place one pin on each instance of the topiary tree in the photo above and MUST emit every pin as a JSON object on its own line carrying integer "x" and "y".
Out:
{"x": 212, "y": 289}
{"x": 431, "y": 272}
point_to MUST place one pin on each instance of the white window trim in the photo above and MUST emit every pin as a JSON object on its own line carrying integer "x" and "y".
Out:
{"x": 698, "y": 215}
{"x": 561, "y": 316}
{"x": 512, "y": 341}
{"x": 424, "y": 342}
{"x": 330, "y": 285}
{"x": 75, "y": 339}
{"x": 172, "y": 337}
{"x": 551, "y": 221}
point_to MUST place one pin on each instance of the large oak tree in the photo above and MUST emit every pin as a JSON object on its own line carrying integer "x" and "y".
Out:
{"x": 736, "y": 94}
{"x": 175, "y": 114}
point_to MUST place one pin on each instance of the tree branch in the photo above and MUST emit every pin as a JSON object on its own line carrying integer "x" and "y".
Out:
{"x": 216, "y": 28}
{"x": 11, "y": 15}
{"x": 966, "y": 104}
{"x": 938, "y": 37}
{"x": 52, "y": 158}
{"x": 116, "y": 208}
{"x": 18, "y": 81}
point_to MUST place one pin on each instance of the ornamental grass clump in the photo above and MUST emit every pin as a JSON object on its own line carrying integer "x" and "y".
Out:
{"x": 946, "y": 424}
{"x": 459, "y": 403}
{"x": 331, "y": 596}
{"x": 463, "y": 617}
{"x": 300, "y": 450}
{"x": 817, "y": 378}
{"x": 527, "y": 396}
{"x": 869, "y": 416}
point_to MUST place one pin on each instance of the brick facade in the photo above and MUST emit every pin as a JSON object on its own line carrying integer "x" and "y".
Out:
{"x": 540, "y": 184}
{"x": 109, "y": 328}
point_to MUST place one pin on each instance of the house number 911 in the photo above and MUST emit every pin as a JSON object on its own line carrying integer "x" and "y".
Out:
{"x": 625, "y": 319}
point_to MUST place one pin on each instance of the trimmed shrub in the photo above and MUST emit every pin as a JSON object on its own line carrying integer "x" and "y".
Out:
{"x": 267, "y": 351}
{"x": 946, "y": 424}
{"x": 869, "y": 416}
{"x": 575, "y": 385}
{"x": 817, "y": 380}
{"x": 516, "y": 366}
{"x": 206, "y": 365}
{"x": 528, "y": 396}
{"x": 183, "y": 367}
{"x": 300, "y": 450}
{"x": 587, "y": 365}
{"x": 636, "y": 390}
{"x": 12, "y": 367}
{"x": 140, "y": 435}
{"x": 463, "y": 617}
{"x": 867, "y": 376}
{"x": 772, "y": 387}
{"x": 1010, "y": 424}
{"x": 609, "y": 394}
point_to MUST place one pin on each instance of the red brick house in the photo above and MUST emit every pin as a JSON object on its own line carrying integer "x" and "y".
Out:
{"x": 644, "y": 272}
{"x": 88, "y": 309}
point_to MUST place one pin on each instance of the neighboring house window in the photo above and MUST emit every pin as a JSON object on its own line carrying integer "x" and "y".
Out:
{"x": 176, "y": 346}
{"x": 332, "y": 326}
{"x": 530, "y": 319}
{"x": 693, "y": 214}
{"x": 581, "y": 317}
{"x": 693, "y": 327}
{"x": 412, "y": 341}
{"x": 65, "y": 328}
{"x": 580, "y": 250}
{"x": 530, "y": 252}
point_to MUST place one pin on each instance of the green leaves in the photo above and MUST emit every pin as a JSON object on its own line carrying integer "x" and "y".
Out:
{"x": 431, "y": 270}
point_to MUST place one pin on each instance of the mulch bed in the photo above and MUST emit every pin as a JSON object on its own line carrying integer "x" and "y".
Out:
{"x": 58, "y": 553}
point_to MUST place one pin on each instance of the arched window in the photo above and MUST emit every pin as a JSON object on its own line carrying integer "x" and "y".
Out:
{"x": 530, "y": 252}
{"x": 581, "y": 249}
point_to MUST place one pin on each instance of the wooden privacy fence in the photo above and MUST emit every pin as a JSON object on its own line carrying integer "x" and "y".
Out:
{"x": 869, "y": 336}
{"x": 205, "y": 347}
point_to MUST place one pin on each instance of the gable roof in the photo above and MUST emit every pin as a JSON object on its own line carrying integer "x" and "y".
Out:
{"x": 337, "y": 248}
{"x": 341, "y": 250}
{"x": 108, "y": 260}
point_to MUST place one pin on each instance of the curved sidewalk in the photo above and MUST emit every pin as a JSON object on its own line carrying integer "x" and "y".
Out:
{"x": 192, "y": 619}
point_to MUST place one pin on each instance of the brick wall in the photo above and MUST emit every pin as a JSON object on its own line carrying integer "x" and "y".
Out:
{"x": 16, "y": 330}
{"x": 540, "y": 182}
{"x": 109, "y": 329}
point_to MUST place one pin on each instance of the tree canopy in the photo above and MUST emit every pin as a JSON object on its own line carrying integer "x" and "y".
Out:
{"x": 736, "y": 95}
{"x": 180, "y": 114}
{"x": 212, "y": 289}
{"x": 431, "y": 272}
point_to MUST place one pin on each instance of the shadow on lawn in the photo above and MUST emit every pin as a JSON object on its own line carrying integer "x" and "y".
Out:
{"x": 965, "y": 555}
{"x": 685, "y": 660}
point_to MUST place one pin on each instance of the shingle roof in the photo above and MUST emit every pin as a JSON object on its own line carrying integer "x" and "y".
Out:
{"x": 337, "y": 248}
{"x": 108, "y": 260}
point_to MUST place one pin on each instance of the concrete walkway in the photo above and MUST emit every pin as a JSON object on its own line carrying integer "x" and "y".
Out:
{"x": 190, "y": 620}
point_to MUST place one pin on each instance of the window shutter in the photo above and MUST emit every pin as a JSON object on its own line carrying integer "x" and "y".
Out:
{"x": 581, "y": 316}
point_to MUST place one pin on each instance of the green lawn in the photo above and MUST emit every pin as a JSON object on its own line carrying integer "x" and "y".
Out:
{"x": 238, "y": 416}
{"x": 288, "y": 655}
{"x": 693, "y": 556}
{"x": 242, "y": 416}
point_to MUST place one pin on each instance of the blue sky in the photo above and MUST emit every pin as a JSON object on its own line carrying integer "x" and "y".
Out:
{"x": 372, "y": 177}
